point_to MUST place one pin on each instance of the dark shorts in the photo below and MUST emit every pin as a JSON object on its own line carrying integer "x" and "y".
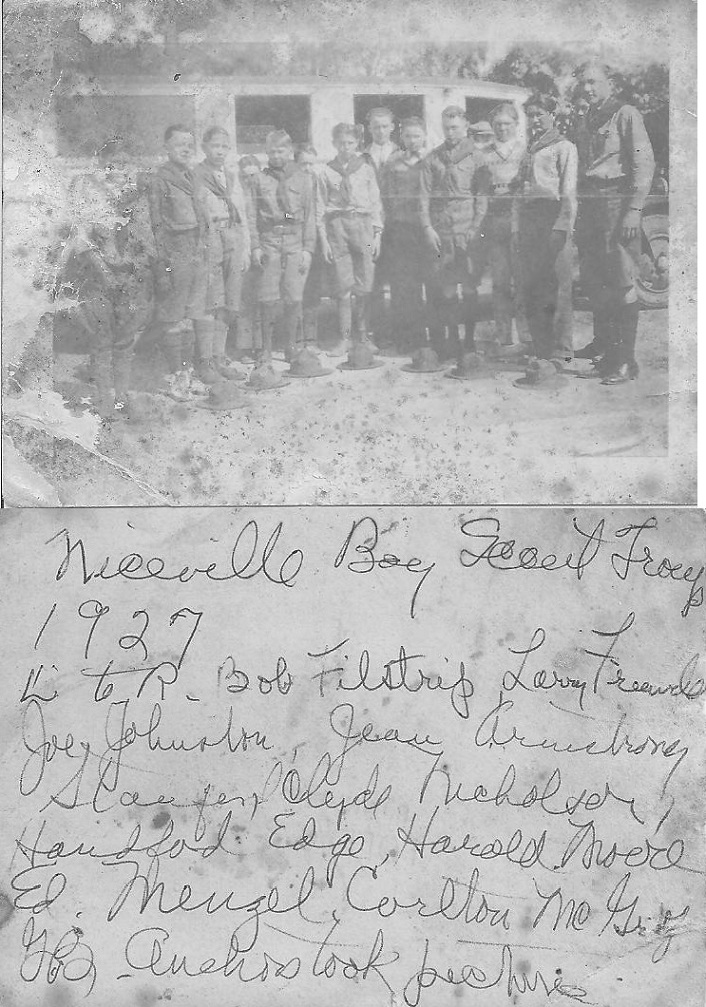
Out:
{"x": 351, "y": 240}
{"x": 188, "y": 276}
{"x": 281, "y": 276}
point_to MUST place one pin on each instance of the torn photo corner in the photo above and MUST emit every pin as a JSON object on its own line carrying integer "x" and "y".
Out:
{"x": 416, "y": 757}
{"x": 356, "y": 195}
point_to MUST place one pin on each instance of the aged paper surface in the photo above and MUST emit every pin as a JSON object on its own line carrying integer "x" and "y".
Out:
{"x": 91, "y": 368}
{"x": 385, "y": 757}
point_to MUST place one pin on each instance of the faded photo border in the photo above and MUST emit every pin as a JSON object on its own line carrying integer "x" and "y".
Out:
{"x": 33, "y": 177}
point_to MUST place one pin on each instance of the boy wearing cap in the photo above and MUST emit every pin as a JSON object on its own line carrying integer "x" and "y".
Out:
{"x": 454, "y": 193}
{"x": 283, "y": 240}
{"x": 180, "y": 226}
{"x": 228, "y": 253}
{"x": 349, "y": 221}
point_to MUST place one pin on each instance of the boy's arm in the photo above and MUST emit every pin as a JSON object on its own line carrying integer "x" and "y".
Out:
{"x": 309, "y": 228}
{"x": 375, "y": 200}
{"x": 251, "y": 206}
{"x": 567, "y": 164}
{"x": 481, "y": 184}
{"x": 320, "y": 205}
{"x": 156, "y": 191}
{"x": 426, "y": 185}
{"x": 641, "y": 166}
{"x": 238, "y": 197}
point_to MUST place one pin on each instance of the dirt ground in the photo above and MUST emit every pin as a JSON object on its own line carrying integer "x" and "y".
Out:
{"x": 377, "y": 436}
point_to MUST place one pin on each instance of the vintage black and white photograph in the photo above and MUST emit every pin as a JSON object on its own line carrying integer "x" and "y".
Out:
{"x": 288, "y": 253}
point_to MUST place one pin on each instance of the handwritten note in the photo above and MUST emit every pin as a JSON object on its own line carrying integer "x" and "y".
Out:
{"x": 391, "y": 757}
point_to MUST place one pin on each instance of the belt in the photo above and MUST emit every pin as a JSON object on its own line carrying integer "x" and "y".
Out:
{"x": 349, "y": 213}
{"x": 617, "y": 184}
{"x": 282, "y": 228}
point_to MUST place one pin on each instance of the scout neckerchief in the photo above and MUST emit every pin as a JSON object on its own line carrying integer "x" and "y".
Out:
{"x": 214, "y": 185}
{"x": 281, "y": 175}
{"x": 452, "y": 155}
{"x": 599, "y": 115}
{"x": 547, "y": 139}
{"x": 352, "y": 165}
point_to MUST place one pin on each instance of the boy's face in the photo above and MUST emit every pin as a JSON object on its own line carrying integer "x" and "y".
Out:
{"x": 595, "y": 85}
{"x": 249, "y": 169}
{"x": 217, "y": 149}
{"x": 306, "y": 160}
{"x": 413, "y": 139}
{"x": 180, "y": 149}
{"x": 381, "y": 127}
{"x": 539, "y": 120}
{"x": 503, "y": 127}
{"x": 454, "y": 127}
{"x": 346, "y": 145}
{"x": 279, "y": 154}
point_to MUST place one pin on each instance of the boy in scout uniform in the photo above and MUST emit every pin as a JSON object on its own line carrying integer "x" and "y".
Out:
{"x": 546, "y": 186}
{"x": 349, "y": 220}
{"x": 180, "y": 226}
{"x": 400, "y": 187}
{"x": 615, "y": 176}
{"x": 453, "y": 202}
{"x": 283, "y": 241}
{"x": 228, "y": 253}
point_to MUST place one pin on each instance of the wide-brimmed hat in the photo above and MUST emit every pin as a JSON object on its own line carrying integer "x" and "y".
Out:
{"x": 360, "y": 358}
{"x": 542, "y": 376}
{"x": 264, "y": 378}
{"x": 424, "y": 360}
{"x": 306, "y": 364}
{"x": 222, "y": 396}
{"x": 471, "y": 367}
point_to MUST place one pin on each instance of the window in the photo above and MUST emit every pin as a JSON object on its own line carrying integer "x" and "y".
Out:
{"x": 479, "y": 109}
{"x": 86, "y": 122}
{"x": 401, "y": 106}
{"x": 258, "y": 115}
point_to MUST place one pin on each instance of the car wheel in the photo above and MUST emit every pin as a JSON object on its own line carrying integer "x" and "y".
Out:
{"x": 653, "y": 281}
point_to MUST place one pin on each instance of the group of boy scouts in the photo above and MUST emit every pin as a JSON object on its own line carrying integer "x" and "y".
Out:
{"x": 400, "y": 237}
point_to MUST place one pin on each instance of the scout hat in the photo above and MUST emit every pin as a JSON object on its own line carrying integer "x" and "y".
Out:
{"x": 264, "y": 377}
{"x": 470, "y": 367}
{"x": 540, "y": 375}
{"x": 222, "y": 396}
{"x": 423, "y": 361}
{"x": 306, "y": 364}
{"x": 360, "y": 358}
